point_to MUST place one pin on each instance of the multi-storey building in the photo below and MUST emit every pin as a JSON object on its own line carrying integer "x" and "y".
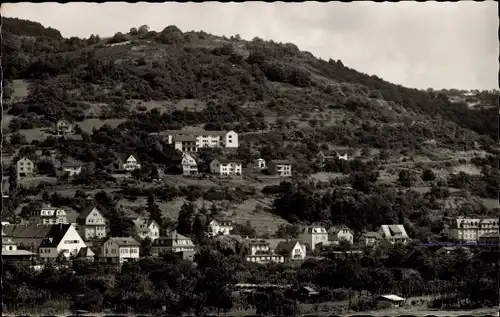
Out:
{"x": 227, "y": 139}
{"x": 471, "y": 229}
{"x": 48, "y": 215}
{"x": 189, "y": 165}
{"x": 25, "y": 168}
{"x": 395, "y": 234}
{"x": 185, "y": 143}
{"x": 91, "y": 224}
{"x": 220, "y": 226}
{"x": 119, "y": 250}
{"x": 339, "y": 233}
{"x": 174, "y": 242}
{"x": 314, "y": 236}
{"x": 225, "y": 167}
{"x": 260, "y": 252}
{"x": 128, "y": 162}
{"x": 280, "y": 168}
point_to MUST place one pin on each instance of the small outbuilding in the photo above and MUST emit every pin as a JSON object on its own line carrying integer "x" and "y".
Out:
{"x": 390, "y": 301}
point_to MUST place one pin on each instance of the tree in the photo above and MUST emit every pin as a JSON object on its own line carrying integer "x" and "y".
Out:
{"x": 154, "y": 211}
{"x": 133, "y": 31}
{"x": 185, "y": 219}
{"x": 200, "y": 227}
{"x": 405, "y": 178}
{"x": 143, "y": 30}
{"x": 428, "y": 175}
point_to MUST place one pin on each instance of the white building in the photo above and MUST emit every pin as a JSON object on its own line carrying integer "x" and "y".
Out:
{"x": 395, "y": 234}
{"x": 91, "y": 224}
{"x": 339, "y": 233}
{"x": 189, "y": 165}
{"x": 63, "y": 239}
{"x": 174, "y": 242}
{"x": 146, "y": 228}
{"x": 260, "y": 163}
{"x": 225, "y": 167}
{"x": 71, "y": 168}
{"x": 260, "y": 252}
{"x": 292, "y": 250}
{"x": 313, "y": 236}
{"x": 128, "y": 163}
{"x": 227, "y": 139}
{"x": 219, "y": 226}
{"x": 119, "y": 250}
{"x": 63, "y": 127}
{"x": 49, "y": 215}
{"x": 471, "y": 229}
{"x": 25, "y": 168}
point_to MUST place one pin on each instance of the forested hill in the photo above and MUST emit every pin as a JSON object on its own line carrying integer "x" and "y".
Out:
{"x": 236, "y": 79}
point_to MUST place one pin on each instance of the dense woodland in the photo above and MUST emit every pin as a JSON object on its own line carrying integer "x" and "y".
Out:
{"x": 241, "y": 83}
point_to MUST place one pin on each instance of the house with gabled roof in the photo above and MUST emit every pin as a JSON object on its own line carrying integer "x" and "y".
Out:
{"x": 71, "y": 167}
{"x": 313, "y": 236}
{"x": 48, "y": 240}
{"x": 282, "y": 168}
{"x": 25, "y": 168}
{"x": 119, "y": 250}
{"x": 204, "y": 138}
{"x": 176, "y": 243}
{"x": 48, "y": 215}
{"x": 63, "y": 127}
{"x": 220, "y": 226}
{"x": 146, "y": 227}
{"x": 292, "y": 250}
{"x": 395, "y": 234}
{"x": 91, "y": 224}
{"x": 339, "y": 233}
{"x": 10, "y": 252}
{"x": 370, "y": 238}
{"x": 128, "y": 162}
{"x": 189, "y": 165}
{"x": 226, "y": 167}
{"x": 185, "y": 143}
{"x": 260, "y": 252}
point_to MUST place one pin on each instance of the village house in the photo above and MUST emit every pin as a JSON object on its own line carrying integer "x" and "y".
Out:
{"x": 225, "y": 167}
{"x": 370, "y": 238}
{"x": 314, "y": 236}
{"x": 91, "y": 224}
{"x": 119, "y": 250}
{"x": 384, "y": 301}
{"x": 490, "y": 238}
{"x": 25, "y": 168}
{"x": 63, "y": 127}
{"x": 227, "y": 139}
{"x": 395, "y": 234}
{"x": 176, "y": 243}
{"x": 330, "y": 155}
{"x": 146, "y": 228}
{"x": 185, "y": 143}
{"x": 260, "y": 252}
{"x": 48, "y": 240}
{"x": 128, "y": 162}
{"x": 220, "y": 226}
{"x": 48, "y": 215}
{"x": 292, "y": 250}
{"x": 471, "y": 229}
{"x": 10, "y": 252}
{"x": 339, "y": 233}
{"x": 189, "y": 165}
{"x": 260, "y": 163}
{"x": 282, "y": 168}
{"x": 71, "y": 168}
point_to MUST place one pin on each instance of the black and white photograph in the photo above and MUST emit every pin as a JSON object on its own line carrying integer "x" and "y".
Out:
{"x": 253, "y": 159}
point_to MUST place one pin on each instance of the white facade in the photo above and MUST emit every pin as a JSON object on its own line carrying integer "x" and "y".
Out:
{"x": 314, "y": 236}
{"x": 189, "y": 165}
{"x": 69, "y": 245}
{"x": 260, "y": 163}
{"x": 147, "y": 228}
{"x": 120, "y": 250}
{"x": 25, "y": 168}
{"x": 130, "y": 164}
{"x": 228, "y": 139}
{"x": 220, "y": 227}
{"x": 471, "y": 229}
{"x": 72, "y": 170}
{"x": 260, "y": 252}
{"x": 92, "y": 225}
{"x": 395, "y": 234}
{"x": 225, "y": 167}
{"x": 294, "y": 250}
{"x": 339, "y": 233}
{"x": 48, "y": 215}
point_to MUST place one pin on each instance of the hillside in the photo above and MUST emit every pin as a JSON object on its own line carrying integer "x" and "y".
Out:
{"x": 283, "y": 102}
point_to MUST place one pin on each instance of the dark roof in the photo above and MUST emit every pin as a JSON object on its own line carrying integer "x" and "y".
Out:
{"x": 336, "y": 229}
{"x": 280, "y": 162}
{"x": 85, "y": 252}
{"x": 73, "y": 137}
{"x": 85, "y": 213}
{"x": 286, "y": 246}
{"x": 227, "y": 161}
{"x": 184, "y": 138}
{"x": 33, "y": 231}
{"x": 122, "y": 157}
{"x": 224, "y": 222}
{"x": 196, "y": 132}
{"x": 124, "y": 241}
{"x": 372, "y": 234}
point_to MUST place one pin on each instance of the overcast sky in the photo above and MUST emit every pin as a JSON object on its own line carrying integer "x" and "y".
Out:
{"x": 419, "y": 45}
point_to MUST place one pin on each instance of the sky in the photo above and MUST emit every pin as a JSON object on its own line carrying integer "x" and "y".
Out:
{"x": 418, "y": 45}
